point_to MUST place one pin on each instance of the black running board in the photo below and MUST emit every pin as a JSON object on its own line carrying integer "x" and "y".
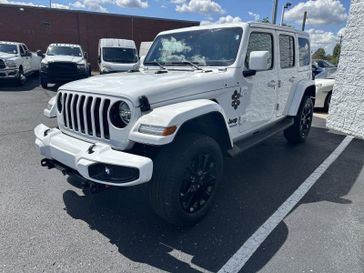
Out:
{"x": 259, "y": 136}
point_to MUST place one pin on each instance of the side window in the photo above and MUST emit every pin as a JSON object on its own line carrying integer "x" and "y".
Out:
{"x": 304, "y": 51}
{"x": 22, "y": 52}
{"x": 286, "y": 51}
{"x": 260, "y": 41}
{"x": 25, "y": 48}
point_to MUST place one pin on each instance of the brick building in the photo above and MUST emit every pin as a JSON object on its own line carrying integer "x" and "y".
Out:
{"x": 38, "y": 27}
{"x": 347, "y": 104}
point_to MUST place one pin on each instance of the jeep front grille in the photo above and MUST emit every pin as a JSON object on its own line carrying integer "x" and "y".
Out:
{"x": 2, "y": 64}
{"x": 86, "y": 114}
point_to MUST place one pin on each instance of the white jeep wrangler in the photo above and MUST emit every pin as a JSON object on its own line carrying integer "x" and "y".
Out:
{"x": 17, "y": 62}
{"x": 202, "y": 93}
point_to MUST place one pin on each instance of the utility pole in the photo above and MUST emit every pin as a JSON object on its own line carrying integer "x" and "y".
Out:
{"x": 274, "y": 12}
{"x": 304, "y": 21}
{"x": 286, "y": 6}
{"x": 50, "y": 3}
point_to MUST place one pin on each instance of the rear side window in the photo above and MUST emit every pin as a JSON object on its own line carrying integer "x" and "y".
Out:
{"x": 260, "y": 41}
{"x": 304, "y": 51}
{"x": 287, "y": 51}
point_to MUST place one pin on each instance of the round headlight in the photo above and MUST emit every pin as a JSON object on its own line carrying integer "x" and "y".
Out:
{"x": 120, "y": 114}
{"x": 59, "y": 102}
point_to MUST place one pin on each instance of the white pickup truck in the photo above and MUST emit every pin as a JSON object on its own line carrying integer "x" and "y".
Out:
{"x": 202, "y": 93}
{"x": 17, "y": 62}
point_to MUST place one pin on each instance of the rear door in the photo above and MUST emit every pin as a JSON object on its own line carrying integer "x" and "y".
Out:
{"x": 288, "y": 68}
{"x": 26, "y": 57}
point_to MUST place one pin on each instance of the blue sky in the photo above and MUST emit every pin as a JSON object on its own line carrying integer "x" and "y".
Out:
{"x": 326, "y": 18}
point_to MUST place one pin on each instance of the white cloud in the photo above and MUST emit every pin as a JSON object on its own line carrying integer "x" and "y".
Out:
{"x": 254, "y": 15}
{"x": 223, "y": 20}
{"x": 325, "y": 39}
{"x": 60, "y": 6}
{"x": 132, "y": 3}
{"x": 200, "y": 6}
{"x": 319, "y": 12}
{"x": 20, "y": 3}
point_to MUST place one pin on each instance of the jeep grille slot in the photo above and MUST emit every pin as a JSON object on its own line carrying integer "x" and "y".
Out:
{"x": 2, "y": 64}
{"x": 86, "y": 114}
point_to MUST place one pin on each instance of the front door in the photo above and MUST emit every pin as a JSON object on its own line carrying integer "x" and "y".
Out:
{"x": 259, "y": 91}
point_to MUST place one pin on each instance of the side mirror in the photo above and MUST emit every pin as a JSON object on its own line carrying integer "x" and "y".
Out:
{"x": 85, "y": 55}
{"x": 99, "y": 59}
{"x": 40, "y": 53}
{"x": 259, "y": 60}
{"x": 28, "y": 54}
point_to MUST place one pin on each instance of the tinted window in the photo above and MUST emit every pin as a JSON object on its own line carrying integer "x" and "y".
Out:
{"x": 119, "y": 55}
{"x": 259, "y": 41}
{"x": 64, "y": 50}
{"x": 10, "y": 49}
{"x": 212, "y": 47}
{"x": 304, "y": 51}
{"x": 286, "y": 49}
{"x": 22, "y": 52}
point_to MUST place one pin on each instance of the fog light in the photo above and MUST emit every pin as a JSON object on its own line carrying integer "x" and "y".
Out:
{"x": 112, "y": 173}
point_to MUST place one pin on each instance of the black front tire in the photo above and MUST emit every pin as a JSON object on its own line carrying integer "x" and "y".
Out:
{"x": 21, "y": 77}
{"x": 44, "y": 83}
{"x": 300, "y": 130}
{"x": 186, "y": 177}
{"x": 327, "y": 102}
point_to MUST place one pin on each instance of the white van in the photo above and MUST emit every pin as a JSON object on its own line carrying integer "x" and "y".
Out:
{"x": 144, "y": 48}
{"x": 117, "y": 55}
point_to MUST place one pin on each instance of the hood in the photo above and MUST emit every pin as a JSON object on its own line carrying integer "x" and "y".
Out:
{"x": 61, "y": 58}
{"x": 156, "y": 87}
{"x": 6, "y": 56}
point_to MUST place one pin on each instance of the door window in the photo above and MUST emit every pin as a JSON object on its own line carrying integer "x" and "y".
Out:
{"x": 22, "y": 51}
{"x": 260, "y": 41}
{"x": 287, "y": 51}
{"x": 304, "y": 51}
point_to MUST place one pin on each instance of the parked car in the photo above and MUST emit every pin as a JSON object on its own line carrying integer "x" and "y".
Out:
{"x": 117, "y": 55}
{"x": 17, "y": 62}
{"x": 324, "y": 88}
{"x": 64, "y": 63}
{"x": 171, "y": 123}
{"x": 144, "y": 48}
{"x": 322, "y": 68}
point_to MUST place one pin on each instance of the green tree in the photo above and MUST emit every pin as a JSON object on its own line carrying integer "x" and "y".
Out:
{"x": 265, "y": 20}
{"x": 319, "y": 54}
{"x": 336, "y": 54}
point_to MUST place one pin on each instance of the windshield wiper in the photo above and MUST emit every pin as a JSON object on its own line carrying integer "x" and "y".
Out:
{"x": 157, "y": 63}
{"x": 194, "y": 65}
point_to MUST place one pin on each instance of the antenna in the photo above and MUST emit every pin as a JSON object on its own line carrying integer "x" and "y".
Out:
{"x": 304, "y": 21}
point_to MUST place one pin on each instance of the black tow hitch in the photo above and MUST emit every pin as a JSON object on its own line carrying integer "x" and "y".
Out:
{"x": 92, "y": 187}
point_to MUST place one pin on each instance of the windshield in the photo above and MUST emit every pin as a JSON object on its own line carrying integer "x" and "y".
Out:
{"x": 211, "y": 47}
{"x": 10, "y": 49}
{"x": 64, "y": 50}
{"x": 119, "y": 55}
{"x": 324, "y": 64}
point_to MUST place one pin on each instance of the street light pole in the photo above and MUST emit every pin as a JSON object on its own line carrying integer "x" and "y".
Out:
{"x": 50, "y": 3}
{"x": 286, "y": 6}
{"x": 274, "y": 12}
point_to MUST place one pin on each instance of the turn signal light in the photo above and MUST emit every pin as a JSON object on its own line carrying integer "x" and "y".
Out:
{"x": 157, "y": 130}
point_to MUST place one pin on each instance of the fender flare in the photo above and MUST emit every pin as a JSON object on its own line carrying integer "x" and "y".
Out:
{"x": 297, "y": 94}
{"x": 173, "y": 115}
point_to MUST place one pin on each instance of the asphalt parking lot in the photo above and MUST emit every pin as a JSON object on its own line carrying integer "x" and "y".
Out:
{"x": 49, "y": 225}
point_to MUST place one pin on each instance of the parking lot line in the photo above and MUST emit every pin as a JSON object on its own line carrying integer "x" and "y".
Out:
{"x": 239, "y": 259}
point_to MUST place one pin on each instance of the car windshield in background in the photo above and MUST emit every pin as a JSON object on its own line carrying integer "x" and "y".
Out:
{"x": 210, "y": 47}
{"x": 324, "y": 64}
{"x": 10, "y": 49}
{"x": 119, "y": 55}
{"x": 64, "y": 50}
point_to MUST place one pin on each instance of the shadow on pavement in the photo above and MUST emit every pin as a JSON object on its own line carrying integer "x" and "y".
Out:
{"x": 256, "y": 183}
{"x": 12, "y": 86}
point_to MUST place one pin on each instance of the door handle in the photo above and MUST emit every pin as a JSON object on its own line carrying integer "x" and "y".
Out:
{"x": 292, "y": 79}
{"x": 272, "y": 84}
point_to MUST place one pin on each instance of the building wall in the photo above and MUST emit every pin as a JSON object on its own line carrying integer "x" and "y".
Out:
{"x": 38, "y": 27}
{"x": 347, "y": 104}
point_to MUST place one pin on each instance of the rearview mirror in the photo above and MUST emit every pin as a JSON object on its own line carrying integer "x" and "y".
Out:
{"x": 259, "y": 60}
{"x": 40, "y": 53}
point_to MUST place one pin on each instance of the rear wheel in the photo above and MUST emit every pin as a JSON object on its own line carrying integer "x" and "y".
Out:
{"x": 185, "y": 179}
{"x": 327, "y": 102}
{"x": 299, "y": 131}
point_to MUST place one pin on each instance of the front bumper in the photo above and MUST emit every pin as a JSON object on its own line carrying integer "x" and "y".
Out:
{"x": 10, "y": 73}
{"x": 81, "y": 156}
{"x": 60, "y": 77}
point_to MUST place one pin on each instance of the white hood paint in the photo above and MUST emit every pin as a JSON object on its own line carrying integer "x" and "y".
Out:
{"x": 156, "y": 87}
{"x": 62, "y": 58}
{"x": 6, "y": 56}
